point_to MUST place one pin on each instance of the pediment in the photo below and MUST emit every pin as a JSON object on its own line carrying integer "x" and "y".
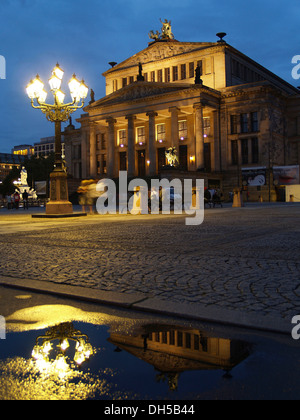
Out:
{"x": 158, "y": 51}
{"x": 137, "y": 91}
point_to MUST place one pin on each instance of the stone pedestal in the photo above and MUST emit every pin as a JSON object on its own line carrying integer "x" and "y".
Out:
{"x": 59, "y": 199}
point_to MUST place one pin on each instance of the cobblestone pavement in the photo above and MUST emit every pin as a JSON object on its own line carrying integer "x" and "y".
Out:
{"x": 245, "y": 259}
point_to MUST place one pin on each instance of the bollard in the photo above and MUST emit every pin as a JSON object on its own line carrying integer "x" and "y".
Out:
{"x": 237, "y": 198}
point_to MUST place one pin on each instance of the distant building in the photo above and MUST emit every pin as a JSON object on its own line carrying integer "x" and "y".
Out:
{"x": 222, "y": 111}
{"x": 47, "y": 146}
{"x": 8, "y": 162}
{"x": 23, "y": 150}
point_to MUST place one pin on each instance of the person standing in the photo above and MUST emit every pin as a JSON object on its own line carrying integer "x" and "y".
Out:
{"x": 17, "y": 199}
{"x": 25, "y": 197}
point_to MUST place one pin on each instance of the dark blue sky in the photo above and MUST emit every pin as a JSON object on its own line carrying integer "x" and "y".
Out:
{"x": 84, "y": 35}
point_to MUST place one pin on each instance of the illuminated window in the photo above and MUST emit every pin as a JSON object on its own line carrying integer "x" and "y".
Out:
{"x": 182, "y": 130}
{"x": 206, "y": 126}
{"x": 122, "y": 138}
{"x": 140, "y": 135}
{"x": 160, "y": 133}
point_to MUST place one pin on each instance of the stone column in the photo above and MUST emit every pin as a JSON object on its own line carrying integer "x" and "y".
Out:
{"x": 131, "y": 146}
{"x": 84, "y": 154}
{"x": 199, "y": 136}
{"x": 151, "y": 143}
{"x": 110, "y": 157}
{"x": 217, "y": 141}
{"x": 174, "y": 127}
{"x": 93, "y": 152}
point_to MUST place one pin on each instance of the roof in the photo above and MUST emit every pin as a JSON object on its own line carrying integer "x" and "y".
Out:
{"x": 11, "y": 159}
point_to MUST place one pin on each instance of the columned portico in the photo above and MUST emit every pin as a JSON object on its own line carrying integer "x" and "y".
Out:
{"x": 151, "y": 143}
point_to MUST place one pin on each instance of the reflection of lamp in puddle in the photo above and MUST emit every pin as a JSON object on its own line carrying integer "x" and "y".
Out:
{"x": 62, "y": 332}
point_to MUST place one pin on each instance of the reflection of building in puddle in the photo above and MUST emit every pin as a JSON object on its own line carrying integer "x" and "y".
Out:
{"x": 175, "y": 350}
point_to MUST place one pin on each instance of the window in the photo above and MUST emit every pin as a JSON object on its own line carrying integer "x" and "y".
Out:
{"x": 234, "y": 152}
{"x": 199, "y": 63}
{"x": 140, "y": 135}
{"x": 161, "y": 133}
{"x": 167, "y": 75}
{"x": 244, "y": 151}
{"x": 175, "y": 73}
{"x": 244, "y": 123}
{"x": 124, "y": 81}
{"x": 191, "y": 70}
{"x": 159, "y": 75}
{"x": 183, "y": 71}
{"x": 100, "y": 141}
{"x": 233, "y": 124}
{"x": 182, "y": 130}
{"x": 206, "y": 126}
{"x": 152, "y": 76}
{"x": 255, "y": 152}
{"x": 122, "y": 138}
{"x": 179, "y": 339}
{"x": 131, "y": 79}
{"x": 254, "y": 121}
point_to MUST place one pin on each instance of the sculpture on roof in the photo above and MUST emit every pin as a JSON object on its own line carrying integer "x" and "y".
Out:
{"x": 166, "y": 32}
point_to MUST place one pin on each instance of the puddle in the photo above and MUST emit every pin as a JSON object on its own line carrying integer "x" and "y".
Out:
{"x": 59, "y": 351}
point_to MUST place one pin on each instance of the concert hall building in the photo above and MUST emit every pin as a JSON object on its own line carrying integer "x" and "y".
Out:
{"x": 223, "y": 112}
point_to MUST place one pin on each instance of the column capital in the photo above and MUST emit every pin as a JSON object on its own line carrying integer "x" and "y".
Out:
{"x": 111, "y": 120}
{"x": 174, "y": 109}
{"x": 130, "y": 117}
{"x": 151, "y": 114}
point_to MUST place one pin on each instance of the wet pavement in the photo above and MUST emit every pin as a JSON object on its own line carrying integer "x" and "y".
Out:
{"x": 137, "y": 356}
{"x": 240, "y": 264}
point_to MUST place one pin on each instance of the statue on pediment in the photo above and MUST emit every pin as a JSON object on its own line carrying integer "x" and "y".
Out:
{"x": 166, "y": 32}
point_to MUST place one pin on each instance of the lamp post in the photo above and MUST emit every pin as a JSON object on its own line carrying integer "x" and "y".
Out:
{"x": 57, "y": 113}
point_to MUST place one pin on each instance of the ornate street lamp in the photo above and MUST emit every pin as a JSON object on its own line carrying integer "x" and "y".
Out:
{"x": 57, "y": 113}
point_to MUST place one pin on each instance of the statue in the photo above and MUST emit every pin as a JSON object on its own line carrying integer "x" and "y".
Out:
{"x": 171, "y": 155}
{"x": 140, "y": 77}
{"x": 23, "y": 176}
{"x": 198, "y": 74}
{"x": 166, "y": 32}
{"x": 166, "y": 29}
{"x": 92, "y": 97}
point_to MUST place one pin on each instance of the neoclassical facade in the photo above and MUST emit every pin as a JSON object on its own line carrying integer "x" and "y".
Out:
{"x": 221, "y": 110}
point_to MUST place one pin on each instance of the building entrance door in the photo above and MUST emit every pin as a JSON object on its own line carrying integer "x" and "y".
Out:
{"x": 141, "y": 163}
{"x": 123, "y": 161}
{"x": 161, "y": 157}
{"x": 183, "y": 157}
